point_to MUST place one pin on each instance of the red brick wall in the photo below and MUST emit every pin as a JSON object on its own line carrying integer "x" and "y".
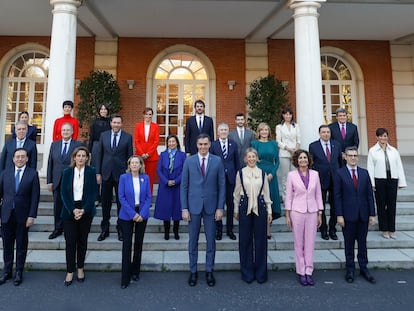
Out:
{"x": 227, "y": 57}
{"x": 375, "y": 61}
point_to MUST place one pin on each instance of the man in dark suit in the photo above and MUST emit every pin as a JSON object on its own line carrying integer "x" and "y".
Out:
{"x": 327, "y": 158}
{"x": 226, "y": 149}
{"x": 113, "y": 152}
{"x": 59, "y": 159}
{"x": 202, "y": 193}
{"x": 242, "y": 136}
{"x": 20, "y": 204}
{"x": 21, "y": 141}
{"x": 346, "y": 133}
{"x": 354, "y": 202}
{"x": 195, "y": 125}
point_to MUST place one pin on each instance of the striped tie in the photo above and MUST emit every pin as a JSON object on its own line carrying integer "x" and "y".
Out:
{"x": 224, "y": 150}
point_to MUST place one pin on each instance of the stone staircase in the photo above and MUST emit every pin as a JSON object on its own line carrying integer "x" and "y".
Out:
{"x": 161, "y": 255}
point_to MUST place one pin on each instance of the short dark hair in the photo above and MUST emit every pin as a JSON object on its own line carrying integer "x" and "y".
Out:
{"x": 296, "y": 155}
{"x": 148, "y": 109}
{"x": 381, "y": 131}
{"x": 67, "y": 103}
{"x": 176, "y": 139}
{"x": 202, "y": 136}
{"x": 116, "y": 116}
{"x": 323, "y": 126}
{"x": 19, "y": 149}
{"x": 339, "y": 110}
{"x": 199, "y": 101}
{"x": 351, "y": 148}
{"x": 22, "y": 113}
{"x": 240, "y": 114}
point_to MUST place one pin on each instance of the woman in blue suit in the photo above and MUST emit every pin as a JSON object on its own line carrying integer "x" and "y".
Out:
{"x": 169, "y": 170}
{"x": 135, "y": 197}
{"x": 78, "y": 191}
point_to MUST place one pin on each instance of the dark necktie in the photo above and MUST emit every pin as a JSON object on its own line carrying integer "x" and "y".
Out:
{"x": 114, "y": 141}
{"x": 328, "y": 153}
{"x": 200, "y": 124}
{"x": 224, "y": 150}
{"x": 203, "y": 167}
{"x": 343, "y": 131}
{"x": 65, "y": 150}
{"x": 17, "y": 179}
{"x": 354, "y": 178}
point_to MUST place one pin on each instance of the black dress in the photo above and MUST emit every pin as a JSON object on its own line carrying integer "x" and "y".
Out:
{"x": 98, "y": 126}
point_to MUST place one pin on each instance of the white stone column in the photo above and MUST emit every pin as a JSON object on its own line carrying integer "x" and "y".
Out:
{"x": 61, "y": 79}
{"x": 309, "y": 107}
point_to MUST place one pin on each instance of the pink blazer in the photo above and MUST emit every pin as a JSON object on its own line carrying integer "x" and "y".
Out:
{"x": 300, "y": 199}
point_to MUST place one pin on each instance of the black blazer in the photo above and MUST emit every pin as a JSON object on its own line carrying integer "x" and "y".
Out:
{"x": 6, "y": 160}
{"x": 55, "y": 163}
{"x": 351, "y": 137}
{"x": 231, "y": 163}
{"x": 113, "y": 162}
{"x": 321, "y": 164}
{"x": 25, "y": 201}
{"x": 192, "y": 131}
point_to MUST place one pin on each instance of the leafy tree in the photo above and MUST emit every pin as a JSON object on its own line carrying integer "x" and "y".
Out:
{"x": 98, "y": 88}
{"x": 266, "y": 97}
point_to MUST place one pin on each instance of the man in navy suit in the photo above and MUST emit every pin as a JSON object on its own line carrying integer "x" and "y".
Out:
{"x": 21, "y": 141}
{"x": 354, "y": 202}
{"x": 226, "y": 149}
{"x": 346, "y": 133}
{"x": 20, "y": 204}
{"x": 59, "y": 159}
{"x": 203, "y": 194}
{"x": 195, "y": 125}
{"x": 327, "y": 158}
{"x": 242, "y": 136}
{"x": 113, "y": 152}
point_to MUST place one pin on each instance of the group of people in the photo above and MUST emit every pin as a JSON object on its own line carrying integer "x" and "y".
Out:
{"x": 250, "y": 174}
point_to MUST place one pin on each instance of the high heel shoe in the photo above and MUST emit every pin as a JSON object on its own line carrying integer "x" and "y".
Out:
{"x": 80, "y": 279}
{"x": 66, "y": 282}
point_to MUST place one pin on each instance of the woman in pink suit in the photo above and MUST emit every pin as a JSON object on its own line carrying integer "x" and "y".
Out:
{"x": 303, "y": 212}
{"x": 146, "y": 138}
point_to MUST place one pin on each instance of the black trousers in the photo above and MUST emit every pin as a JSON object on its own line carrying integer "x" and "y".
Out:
{"x": 328, "y": 196}
{"x": 76, "y": 236}
{"x": 355, "y": 231}
{"x": 106, "y": 199}
{"x": 386, "y": 200}
{"x": 129, "y": 229}
{"x": 57, "y": 209}
{"x": 13, "y": 232}
{"x": 229, "y": 209}
{"x": 253, "y": 246}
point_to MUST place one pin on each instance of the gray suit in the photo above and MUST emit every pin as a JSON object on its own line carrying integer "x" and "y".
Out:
{"x": 202, "y": 196}
{"x": 249, "y": 136}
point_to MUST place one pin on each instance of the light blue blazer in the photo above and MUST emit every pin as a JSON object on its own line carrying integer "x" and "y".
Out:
{"x": 127, "y": 197}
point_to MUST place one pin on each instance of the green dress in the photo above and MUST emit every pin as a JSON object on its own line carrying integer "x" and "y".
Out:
{"x": 269, "y": 162}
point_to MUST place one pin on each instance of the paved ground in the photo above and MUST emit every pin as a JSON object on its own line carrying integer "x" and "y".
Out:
{"x": 169, "y": 291}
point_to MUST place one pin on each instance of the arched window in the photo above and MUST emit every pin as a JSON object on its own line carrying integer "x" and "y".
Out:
{"x": 26, "y": 85}
{"x": 337, "y": 87}
{"x": 179, "y": 80}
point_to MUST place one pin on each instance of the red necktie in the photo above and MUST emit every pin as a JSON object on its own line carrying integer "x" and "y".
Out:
{"x": 328, "y": 153}
{"x": 343, "y": 131}
{"x": 354, "y": 178}
{"x": 203, "y": 167}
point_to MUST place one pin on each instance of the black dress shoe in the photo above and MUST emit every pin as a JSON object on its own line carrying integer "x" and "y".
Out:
{"x": 4, "y": 277}
{"x": 103, "y": 236}
{"x": 219, "y": 235}
{"x": 68, "y": 283}
{"x": 135, "y": 277}
{"x": 231, "y": 235}
{"x": 123, "y": 286}
{"x": 55, "y": 234}
{"x": 120, "y": 235}
{"x": 211, "y": 281}
{"x": 324, "y": 236}
{"x": 176, "y": 236}
{"x": 349, "y": 276}
{"x": 333, "y": 236}
{"x": 192, "y": 280}
{"x": 367, "y": 276}
{"x": 18, "y": 279}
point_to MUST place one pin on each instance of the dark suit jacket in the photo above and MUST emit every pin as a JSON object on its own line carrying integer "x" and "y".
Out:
{"x": 55, "y": 163}
{"x": 113, "y": 162}
{"x": 192, "y": 131}
{"x": 249, "y": 136}
{"x": 25, "y": 201}
{"x": 6, "y": 160}
{"x": 351, "y": 137}
{"x": 90, "y": 191}
{"x": 326, "y": 168}
{"x": 353, "y": 203}
{"x": 232, "y": 162}
{"x": 31, "y": 132}
{"x": 197, "y": 191}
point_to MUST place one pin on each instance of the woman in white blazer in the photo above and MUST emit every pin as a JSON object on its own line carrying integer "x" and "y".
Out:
{"x": 303, "y": 212}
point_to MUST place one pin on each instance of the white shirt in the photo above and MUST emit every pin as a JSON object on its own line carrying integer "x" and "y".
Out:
{"x": 146, "y": 131}
{"x": 78, "y": 181}
{"x": 137, "y": 189}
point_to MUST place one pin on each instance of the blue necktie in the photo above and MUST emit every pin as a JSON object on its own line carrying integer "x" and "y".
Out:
{"x": 17, "y": 179}
{"x": 114, "y": 141}
{"x": 65, "y": 150}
